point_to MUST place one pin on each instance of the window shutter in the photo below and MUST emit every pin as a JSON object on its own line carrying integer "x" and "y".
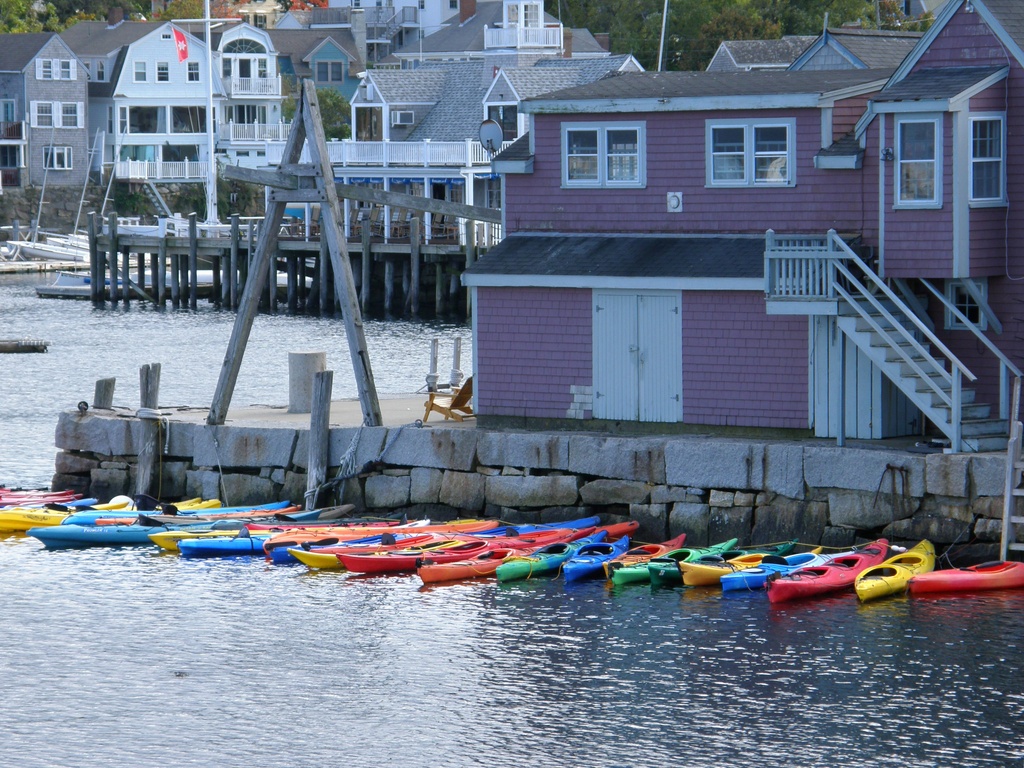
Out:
{"x": 39, "y": 69}
{"x": 55, "y": 69}
{"x": 74, "y": 69}
{"x": 58, "y": 115}
{"x": 34, "y": 113}
{"x": 80, "y": 115}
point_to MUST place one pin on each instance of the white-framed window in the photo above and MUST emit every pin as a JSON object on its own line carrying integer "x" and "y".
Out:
{"x": 45, "y": 69}
{"x": 918, "y": 162}
{"x": 57, "y": 158}
{"x": 101, "y": 71}
{"x": 42, "y": 114}
{"x": 259, "y": 20}
{"x": 963, "y": 301}
{"x": 748, "y": 153}
{"x": 163, "y": 72}
{"x": 70, "y": 115}
{"x": 140, "y": 71}
{"x": 193, "y": 71}
{"x": 66, "y": 70}
{"x": 7, "y": 110}
{"x": 603, "y": 155}
{"x": 988, "y": 162}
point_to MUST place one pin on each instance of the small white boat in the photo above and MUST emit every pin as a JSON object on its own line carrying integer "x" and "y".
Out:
{"x": 69, "y": 248}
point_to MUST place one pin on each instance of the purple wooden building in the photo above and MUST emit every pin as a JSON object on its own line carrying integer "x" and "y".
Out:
{"x": 832, "y": 251}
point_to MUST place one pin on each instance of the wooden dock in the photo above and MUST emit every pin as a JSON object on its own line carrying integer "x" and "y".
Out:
{"x": 391, "y": 274}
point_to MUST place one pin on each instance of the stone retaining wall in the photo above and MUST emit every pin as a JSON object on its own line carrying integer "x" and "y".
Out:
{"x": 710, "y": 488}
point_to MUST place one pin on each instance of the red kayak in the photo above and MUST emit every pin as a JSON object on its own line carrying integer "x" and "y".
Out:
{"x": 403, "y": 560}
{"x": 815, "y": 580}
{"x": 1001, "y": 574}
{"x": 480, "y": 566}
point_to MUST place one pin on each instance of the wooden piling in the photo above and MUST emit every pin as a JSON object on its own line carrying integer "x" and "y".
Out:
{"x": 319, "y": 435}
{"x": 439, "y": 288}
{"x": 126, "y": 275}
{"x": 104, "y": 394}
{"x": 149, "y": 451}
{"x": 175, "y": 280}
{"x": 96, "y": 269}
{"x": 324, "y": 276}
{"x": 233, "y": 272}
{"x": 414, "y": 262}
{"x": 193, "y": 262}
{"x": 291, "y": 274}
{"x": 389, "y": 285}
{"x": 161, "y": 273}
{"x": 366, "y": 268}
{"x": 112, "y": 251}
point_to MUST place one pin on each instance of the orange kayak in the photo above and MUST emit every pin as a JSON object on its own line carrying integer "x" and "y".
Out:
{"x": 327, "y": 535}
{"x": 480, "y": 566}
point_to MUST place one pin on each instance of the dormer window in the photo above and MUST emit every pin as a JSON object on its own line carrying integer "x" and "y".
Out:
{"x": 523, "y": 14}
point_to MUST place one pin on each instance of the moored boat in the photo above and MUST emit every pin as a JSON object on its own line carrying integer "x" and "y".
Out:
{"x": 999, "y": 574}
{"x": 754, "y": 578}
{"x": 639, "y": 556}
{"x": 708, "y": 570}
{"x": 664, "y": 571}
{"x": 589, "y": 560}
{"x": 404, "y": 560}
{"x": 545, "y": 561}
{"x": 834, "y": 576}
{"x": 892, "y": 576}
{"x": 481, "y": 566}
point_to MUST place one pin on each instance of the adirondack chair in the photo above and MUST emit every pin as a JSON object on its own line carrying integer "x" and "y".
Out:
{"x": 457, "y": 405}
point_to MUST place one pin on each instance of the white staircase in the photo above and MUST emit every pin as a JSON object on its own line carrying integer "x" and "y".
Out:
{"x": 822, "y": 275}
{"x": 1014, "y": 469}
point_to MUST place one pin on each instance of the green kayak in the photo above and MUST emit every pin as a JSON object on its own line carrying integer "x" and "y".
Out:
{"x": 544, "y": 562}
{"x": 664, "y": 571}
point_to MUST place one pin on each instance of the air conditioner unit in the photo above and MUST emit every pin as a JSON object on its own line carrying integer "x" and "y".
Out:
{"x": 405, "y": 117}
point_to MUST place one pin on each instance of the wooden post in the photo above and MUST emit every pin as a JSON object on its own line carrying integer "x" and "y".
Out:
{"x": 471, "y": 253}
{"x": 291, "y": 273}
{"x": 161, "y": 272}
{"x": 389, "y": 284}
{"x": 366, "y": 267}
{"x": 112, "y": 252}
{"x": 149, "y": 451}
{"x": 319, "y": 435}
{"x": 438, "y": 288}
{"x": 126, "y": 274}
{"x": 232, "y": 301}
{"x": 303, "y": 291}
{"x": 96, "y": 269}
{"x": 140, "y": 269}
{"x": 414, "y": 261}
{"x": 153, "y": 269}
{"x": 104, "y": 394}
{"x": 193, "y": 261}
{"x": 324, "y": 274}
{"x": 216, "y": 264}
{"x": 175, "y": 280}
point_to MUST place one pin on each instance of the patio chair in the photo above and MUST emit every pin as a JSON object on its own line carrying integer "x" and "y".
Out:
{"x": 457, "y": 405}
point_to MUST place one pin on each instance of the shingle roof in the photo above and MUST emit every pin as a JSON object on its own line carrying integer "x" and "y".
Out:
{"x": 624, "y": 256}
{"x": 846, "y": 145}
{"x": 1010, "y": 14}
{"x": 457, "y": 116}
{"x": 663, "y": 85}
{"x": 781, "y": 52}
{"x": 17, "y": 50}
{"x": 516, "y": 151}
{"x": 939, "y": 83}
{"x": 418, "y": 86}
{"x": 96, "y": 38}
{"x": 296, "y": 44}
{"x": 469, "y": 36}
{"x": 876, "y": 48}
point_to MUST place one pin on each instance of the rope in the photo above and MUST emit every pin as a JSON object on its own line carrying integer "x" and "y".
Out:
{"x": 220, "y": 470}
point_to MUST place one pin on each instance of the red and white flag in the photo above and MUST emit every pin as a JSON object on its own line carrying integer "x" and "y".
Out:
{"x": 181, "y": 43}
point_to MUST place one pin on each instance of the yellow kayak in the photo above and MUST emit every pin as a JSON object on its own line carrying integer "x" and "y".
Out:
{"x": 892, "y": 576}
{"x": 318, "y": 560}
{"x": 707, "y": 574}
{"x": 169, "y": 539}
{"x": 23, "y": 518}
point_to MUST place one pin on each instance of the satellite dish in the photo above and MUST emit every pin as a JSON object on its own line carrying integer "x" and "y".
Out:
{"x": 491, "y": 135}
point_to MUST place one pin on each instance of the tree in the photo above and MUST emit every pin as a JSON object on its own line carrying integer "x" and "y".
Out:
{"x": 891, "y": 16}
{"x": 18, "y": 16}
{"x": 729, "y": 24}
{"x": 182, "y": 9}
{"x": 334, "y": 113}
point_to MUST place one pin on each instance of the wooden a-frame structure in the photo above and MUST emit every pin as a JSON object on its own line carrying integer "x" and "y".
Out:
{"x": 308, "y": 183}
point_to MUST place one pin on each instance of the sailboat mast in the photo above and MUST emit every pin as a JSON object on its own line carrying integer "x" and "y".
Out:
{"x": 211, "y": 165}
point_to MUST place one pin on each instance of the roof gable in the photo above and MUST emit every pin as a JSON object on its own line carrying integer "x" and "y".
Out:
{"x": 17, "y": 51}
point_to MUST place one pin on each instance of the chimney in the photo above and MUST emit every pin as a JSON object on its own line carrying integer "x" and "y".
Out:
{"x": 604, "y": 40}
{"x": 566, "y": 43}
{"x": 467, "y": 10}
{"x": 359, "y": 33}
{"x": 115, "y": 16}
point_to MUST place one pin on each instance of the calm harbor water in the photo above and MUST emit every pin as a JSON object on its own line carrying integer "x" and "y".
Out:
{"x": 128, "y": 658}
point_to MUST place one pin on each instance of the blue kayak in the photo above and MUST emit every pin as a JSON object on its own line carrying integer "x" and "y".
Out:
{"x": 546, "y": 561}
{"x": 90, "y": 516}
{"x": 589, "y": 560}
{"x": 754, "y": 578}
{"x": 223, "y": 546}
{"x": 78, "y": 536}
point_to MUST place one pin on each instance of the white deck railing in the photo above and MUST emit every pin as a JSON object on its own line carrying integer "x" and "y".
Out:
{"x": 523, "y": 37}
{"x": 254, "y": 86}
{"x": 254, "y": 132}
{"x": 405, "y": 154}
{"x": 146, "y": 170}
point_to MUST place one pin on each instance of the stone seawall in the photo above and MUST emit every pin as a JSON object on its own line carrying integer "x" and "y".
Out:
{"x": 709, "y": 488}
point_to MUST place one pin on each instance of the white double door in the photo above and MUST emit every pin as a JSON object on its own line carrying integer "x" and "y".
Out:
{"x": 638, "y": 355}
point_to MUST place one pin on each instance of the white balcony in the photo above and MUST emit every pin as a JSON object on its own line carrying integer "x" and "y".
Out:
{"x": 253, "y": 86}
{"x": 399, "y": 154}
{"x": 253, "y": 133}
{"x": 523, "y": 37}
{"x": 146, "y": 170}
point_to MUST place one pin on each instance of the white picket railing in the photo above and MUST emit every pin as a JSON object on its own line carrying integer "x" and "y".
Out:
{"x": 185, "y": 170}
{"x": 523, "y": 37}
{"x": 254, "y": 132}
{"x": 254, "y": 86}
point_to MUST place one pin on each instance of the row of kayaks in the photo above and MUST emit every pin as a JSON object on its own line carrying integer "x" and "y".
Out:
{"x": 328, "y": 539}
